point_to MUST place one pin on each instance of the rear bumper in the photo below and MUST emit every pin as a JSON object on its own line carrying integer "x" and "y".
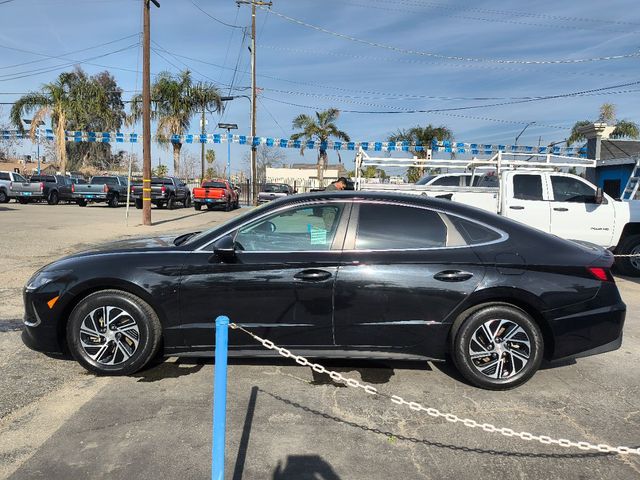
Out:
{"x": 15, "y": 194}
{"x": 214, "y": 201}
{"x": 92, "y": 197}
{"x": 588, "y": 328}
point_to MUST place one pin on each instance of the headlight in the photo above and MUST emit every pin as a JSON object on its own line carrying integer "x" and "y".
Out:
{"x": 42, "y": 278}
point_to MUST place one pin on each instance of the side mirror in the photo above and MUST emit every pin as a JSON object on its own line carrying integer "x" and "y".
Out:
{"x": 224, "y": 250}
{"x": 599, "y": 198}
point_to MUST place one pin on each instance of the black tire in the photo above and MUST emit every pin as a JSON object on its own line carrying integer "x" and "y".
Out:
{"x": 197, "y": 206}
{"x": 81, "y": 202}
{"x": 171, "y": 203}
{"x": 23, "y": 201}
{"x": 227, "y": 206}
{"x": 629, "y": 265}
{"x": 137, "y": 312}
{"x": 187, "y": 202}
{"x": 53, "y": 198}
{"x": 4, "y": 198}
{"x": 138, "y": 204}
{"x": 510, "y": 370}
{"x": 114, "y": 201}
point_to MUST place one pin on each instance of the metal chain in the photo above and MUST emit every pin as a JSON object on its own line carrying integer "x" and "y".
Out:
{"x": 434, "y": 412}
{"x": 629, "y": 255}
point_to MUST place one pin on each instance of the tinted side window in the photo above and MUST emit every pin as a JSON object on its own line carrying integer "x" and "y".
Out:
{"x": 447, "y": 182}
{"x": 527, "y": 187}
{"x": 382, "y": 227}
{"x": 473, "y": 233}
{"x": 567, "y": 189}
{"x": 4, "y": 176}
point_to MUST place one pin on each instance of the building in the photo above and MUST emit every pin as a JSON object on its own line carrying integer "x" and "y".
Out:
{"x": 615, "y": 159}
{"x": 303, "y": 176}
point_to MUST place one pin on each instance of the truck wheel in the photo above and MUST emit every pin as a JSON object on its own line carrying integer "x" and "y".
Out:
{"x": 629, "y": 265}
{"x": 82, "y": 202}
{"x": 227, "y": 206}
{"x": 171, "y": 203}
{"x": 187, "y": 202}
{"x": 53, "y": 198}
{"x": 4, "y": 198}
{"x": 498, "y": 347}
{"x": 113, "y": 332}
{"x": 138, "y": 204}
{"x": 197, "y": 206}
{"x": 114, "y": 202}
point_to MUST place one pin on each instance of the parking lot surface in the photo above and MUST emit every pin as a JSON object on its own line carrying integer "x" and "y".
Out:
{"x": 286, "y": 421}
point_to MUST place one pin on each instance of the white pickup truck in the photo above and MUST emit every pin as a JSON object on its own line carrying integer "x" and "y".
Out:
{"x": 559, "y": 203}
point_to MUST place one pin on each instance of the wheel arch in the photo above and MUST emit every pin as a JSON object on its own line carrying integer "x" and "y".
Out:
{"x": 81, "y": 292}
{"x": 631, "y": 228}
{"x": 511, "y": 297}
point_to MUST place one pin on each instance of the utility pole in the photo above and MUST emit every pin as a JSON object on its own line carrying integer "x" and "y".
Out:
{"x": 254, "y": 167}
{"x": 146, "y": 114}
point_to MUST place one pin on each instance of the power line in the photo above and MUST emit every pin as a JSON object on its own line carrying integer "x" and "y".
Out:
{"x": 451, "y": 57}
{"x": 62, "y": 56}
{"x": 214, "y": 18}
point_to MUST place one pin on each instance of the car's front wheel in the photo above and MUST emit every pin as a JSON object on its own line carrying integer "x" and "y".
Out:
{"x": 113, "y": 332}
{"x": 498, "y": 347}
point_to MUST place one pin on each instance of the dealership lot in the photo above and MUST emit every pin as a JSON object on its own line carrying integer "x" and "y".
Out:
{"x": 285, "y": 421}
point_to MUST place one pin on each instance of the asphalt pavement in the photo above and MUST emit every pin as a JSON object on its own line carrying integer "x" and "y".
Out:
{"x": 286, "y": 421}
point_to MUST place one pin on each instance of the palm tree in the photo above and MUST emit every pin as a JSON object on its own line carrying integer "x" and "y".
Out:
{"x": 60, "y": 100}
{"x": 321, "y": 128}
{"x": 425, "y": 136}
{"x": 623, "y": 128}
{"x": 175, "y": 100}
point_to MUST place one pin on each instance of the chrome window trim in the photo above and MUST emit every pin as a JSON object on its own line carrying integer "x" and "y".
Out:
{"x": 503, "y": 235}
{"x": 268, "y": 213}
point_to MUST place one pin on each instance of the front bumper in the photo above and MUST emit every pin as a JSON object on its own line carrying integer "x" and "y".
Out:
{"x": 41, "y": 327}
{"x": 588, "y": 328}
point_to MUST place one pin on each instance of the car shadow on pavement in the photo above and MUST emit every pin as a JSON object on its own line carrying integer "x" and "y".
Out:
{"x": 169, "y": 368}
{"x": 393, "y": 436}
{"x": 628, "y": 279}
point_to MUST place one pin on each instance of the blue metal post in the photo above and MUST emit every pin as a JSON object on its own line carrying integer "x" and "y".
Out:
{"x": 229, "y": 138}
{"x": 220, "y": 398}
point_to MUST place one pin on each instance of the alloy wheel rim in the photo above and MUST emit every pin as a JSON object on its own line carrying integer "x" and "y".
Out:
{"x": 109, "y": 335}
{"x": 499, "y": 349}
{"x": 635, "y": 261}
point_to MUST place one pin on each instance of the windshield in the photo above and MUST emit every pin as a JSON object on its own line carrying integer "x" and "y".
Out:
{"x": 426, "y": 179}
{"x": 274, "y": 188}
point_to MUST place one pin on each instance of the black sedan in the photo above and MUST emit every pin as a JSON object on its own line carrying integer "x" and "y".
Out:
{"x": 339, "y": 274}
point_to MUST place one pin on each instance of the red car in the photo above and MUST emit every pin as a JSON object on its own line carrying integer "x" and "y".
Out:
{"x": 214, "y": 193}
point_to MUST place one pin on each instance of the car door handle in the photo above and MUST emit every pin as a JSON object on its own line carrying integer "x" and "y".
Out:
{"x": 312, "y": 275}
{"x": 561, "y": 209}
{"x": 516, "y": 207}
{"x": 453, "y": 276}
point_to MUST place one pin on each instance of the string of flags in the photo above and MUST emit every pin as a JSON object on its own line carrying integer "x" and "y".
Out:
{"x": 376, "y": 146}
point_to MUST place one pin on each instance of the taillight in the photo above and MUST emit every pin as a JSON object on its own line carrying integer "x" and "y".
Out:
{"x": 163, "y": 189}
{"x": 599, "y": 273}
{"x": 41, "y": 186}
{"x": 105, "y": 188}
{"x": 73, "y": 188}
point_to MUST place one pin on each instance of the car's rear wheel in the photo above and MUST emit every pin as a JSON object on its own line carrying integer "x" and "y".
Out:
{"x": 114, "y": 201}
{"x": 227, "y": 206}
{"x": 629, "y": 265}
{"x": 171, "y": 203}
{"x": 53, "y": 198}
{"x": 498, "y": 347}
{"x": 138, "y": 204}
{"x": 81, "y": 202}
{"x": 187, "y": 202}
{"x": 113, "y": 332}
{"x": 197, "y": 206}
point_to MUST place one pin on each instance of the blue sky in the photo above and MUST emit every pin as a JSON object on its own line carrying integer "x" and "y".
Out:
{"x": 301, "y": 65}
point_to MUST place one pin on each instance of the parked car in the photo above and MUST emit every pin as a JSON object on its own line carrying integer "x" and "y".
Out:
{"x": 7, "y": 179}
{"x": 339, "y": 274}
{"x": 215, "y": 193}
{"x": 55, "y": 187}
{"x": 271, "y": 191}
{"x": 109, "y": 188}
{"x": 165, "y": 191}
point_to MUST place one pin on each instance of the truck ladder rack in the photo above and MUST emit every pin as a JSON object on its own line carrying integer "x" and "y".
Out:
{"x": 630, "y": 191}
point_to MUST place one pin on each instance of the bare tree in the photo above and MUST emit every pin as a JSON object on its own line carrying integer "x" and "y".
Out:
{"x": 265, "y": 157}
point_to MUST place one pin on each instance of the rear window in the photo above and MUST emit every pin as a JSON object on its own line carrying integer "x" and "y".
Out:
{"x": 103, "y": 180}
{"x": 214, "y": 185}
{"x": 161, "y": 181}
{"x": 274, "y": 188}
{"x": 4, "y": 176}
{"x": 43, "y": 178}
{"x": 449, "y": 181}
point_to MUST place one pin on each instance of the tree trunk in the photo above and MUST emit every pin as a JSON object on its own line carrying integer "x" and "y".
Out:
{"x": 61, "y": 142}
{"x": 176, "y": 158}
{"x": 321, "y": 167}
